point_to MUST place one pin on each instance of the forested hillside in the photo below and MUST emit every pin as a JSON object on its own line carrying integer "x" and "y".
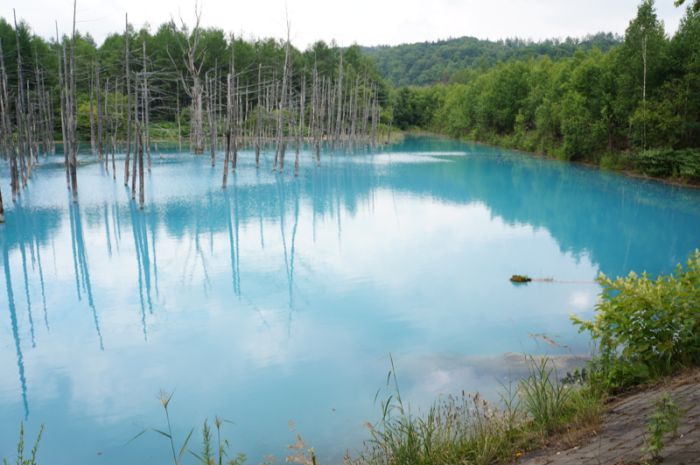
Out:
{"x": 446, "y": 60}
{"x": 636, "y": 106}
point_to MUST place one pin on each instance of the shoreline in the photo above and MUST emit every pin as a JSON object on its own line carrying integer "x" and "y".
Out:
{"x": 588, "y": 164}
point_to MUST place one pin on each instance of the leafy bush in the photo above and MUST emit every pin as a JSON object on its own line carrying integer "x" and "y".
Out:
{"x": 684, "y": 164}
{"x": 646, "y": 327}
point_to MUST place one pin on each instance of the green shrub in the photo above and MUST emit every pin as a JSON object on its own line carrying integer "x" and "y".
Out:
{"x": 612, "y": 161}
{"x": 683, "y": 164}
{"x": 646, "y": 327}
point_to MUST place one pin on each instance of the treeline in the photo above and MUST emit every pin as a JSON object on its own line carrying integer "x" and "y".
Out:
{"x": 220, "y": 92}
{"x": 166, "y": 60}
{"x": 452, "y": 60}
{"x": 635, "y": 107}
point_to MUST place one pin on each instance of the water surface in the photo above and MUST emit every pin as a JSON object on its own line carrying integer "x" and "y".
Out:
{"x": 281, "y": 297}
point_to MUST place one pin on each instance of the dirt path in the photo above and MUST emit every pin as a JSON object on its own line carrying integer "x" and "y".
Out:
{"x": 624, "y": 429}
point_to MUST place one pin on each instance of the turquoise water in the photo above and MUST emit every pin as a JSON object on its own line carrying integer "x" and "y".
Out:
{"x": 281, "y": 298}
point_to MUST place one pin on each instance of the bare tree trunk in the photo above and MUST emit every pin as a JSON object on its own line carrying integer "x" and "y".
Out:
{"x": 22, "y": 129}
{"x": 93, "y": 141}
{"x": 5, "y": 124}
{"x": 339, "y": 99}
{"x": 136, "y": 122}
{"x": 235, "y": 107}
{"x": 115, "y": 130}
{"x": 644, "y": 94}
{"x": 300, "y": 133}
{"x": 128, "y": 100}
{"x": 197, "y": 120}
{"x": 64, "y": 122}
{"x": 146, "y": 110}
{"x": 98, "y": 88}
{"x": 227, "y": 151}
{"x": 177, "y": 109}
{"x": 210, "y": 118}
{"x": 141, "y": 180}
{"x": 73, "y": 122}
{"x": 258, "y": 119}
{"x": 279, "y": 153}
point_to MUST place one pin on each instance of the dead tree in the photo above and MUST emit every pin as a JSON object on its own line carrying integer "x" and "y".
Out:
{"x": 73, "y": 118}
{"x": 98, "y": 87}
{"x": 22, "y": 138}
{"x": 193, "y": 60}
{"x": 128, "y": 100}
{"x": 93, "y": 141}
{"x": 140, "y": 166}
{"x": 145, "y": 110}
{"x": 227, "y": 148}
{"x": 64, "y": 123}
{"x": 258, "y": 119}
{"x": 279, "y": 152}
{"x": 209, "y": 85}
{"x": 300, "y": 130}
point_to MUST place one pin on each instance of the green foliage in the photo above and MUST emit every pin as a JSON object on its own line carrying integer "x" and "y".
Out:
{"x": 646, "y": 327}
{"x": 164, "y": 49}
{"x": 695, "y": 4}
{"x": 679, "y": 164}
{"x": 20, "y": 459}
{"x": 664, "y": 420}
{"x": 452, "y": 60}
{"x": 585, "y": 106}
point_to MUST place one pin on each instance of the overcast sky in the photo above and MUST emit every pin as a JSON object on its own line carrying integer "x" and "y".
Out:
{"x": 367, "y": 22}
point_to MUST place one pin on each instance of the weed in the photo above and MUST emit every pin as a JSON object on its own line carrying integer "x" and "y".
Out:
{"x": 544, "y": 396}
{"x": 663, "y": 420}
{"x": 21, "y": 459}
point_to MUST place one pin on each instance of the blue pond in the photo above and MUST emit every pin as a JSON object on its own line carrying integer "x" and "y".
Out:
{"x": 277, "y": 302}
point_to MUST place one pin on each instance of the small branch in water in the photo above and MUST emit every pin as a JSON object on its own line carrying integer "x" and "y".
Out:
{"x": 524, "y": 279}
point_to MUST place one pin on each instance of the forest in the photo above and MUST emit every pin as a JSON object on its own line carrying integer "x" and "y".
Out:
{"x": 452, "y": 60}
{"x": 634, "y": 107}
{"x": 180, "y": 82}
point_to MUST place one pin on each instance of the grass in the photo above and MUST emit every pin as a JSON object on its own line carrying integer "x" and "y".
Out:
{"x": 468, "y": 429}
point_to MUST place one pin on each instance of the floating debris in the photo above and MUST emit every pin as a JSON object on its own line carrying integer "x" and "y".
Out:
{"x": 520, "y": 279}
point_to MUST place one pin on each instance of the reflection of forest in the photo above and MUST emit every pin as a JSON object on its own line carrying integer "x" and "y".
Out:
{"x": 622, "y": 224}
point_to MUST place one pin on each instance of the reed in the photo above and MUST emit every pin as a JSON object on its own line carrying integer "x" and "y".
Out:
{"x": 21, "y": 459}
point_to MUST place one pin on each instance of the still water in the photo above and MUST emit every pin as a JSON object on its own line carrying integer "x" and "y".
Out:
{"x": 281, "y": 297}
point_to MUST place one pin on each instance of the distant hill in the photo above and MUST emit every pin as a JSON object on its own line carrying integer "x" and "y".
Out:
{"x": 431, "y": 62}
